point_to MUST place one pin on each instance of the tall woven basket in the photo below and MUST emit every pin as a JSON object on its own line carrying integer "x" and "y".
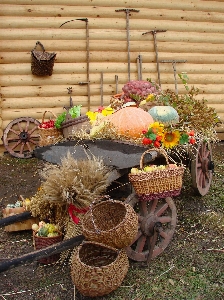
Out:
{"x": 97, "y": 269}
{"x": 158, "y": 183}
{"x": 48, "y": 136}
{"x": 43, "y": 242}
{"x": 111, "y": 222}
{"x": 42, "y": 62}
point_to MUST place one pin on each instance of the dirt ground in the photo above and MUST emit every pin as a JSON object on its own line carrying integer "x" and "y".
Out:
{"x": 32, "y": 280}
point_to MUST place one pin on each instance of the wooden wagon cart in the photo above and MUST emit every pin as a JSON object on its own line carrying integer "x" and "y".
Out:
{"x": 157, "y": 218}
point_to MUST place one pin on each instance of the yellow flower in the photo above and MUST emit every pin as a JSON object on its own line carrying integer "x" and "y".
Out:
{"x": 150, "y": 97}
{"x": 157, "y": 126}
{"x": 170, "y": 139}
{"x": 92, "y": 116}
{"x": 107, "y": 111}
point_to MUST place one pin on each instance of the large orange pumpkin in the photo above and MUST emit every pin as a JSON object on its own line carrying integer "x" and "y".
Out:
{"x": 130, "y": 121}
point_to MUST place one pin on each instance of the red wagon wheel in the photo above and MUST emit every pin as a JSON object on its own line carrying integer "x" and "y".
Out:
{"x": 155, "y": 217}
{"x": 20, "y": 138}
{"x": 202, "y": 168}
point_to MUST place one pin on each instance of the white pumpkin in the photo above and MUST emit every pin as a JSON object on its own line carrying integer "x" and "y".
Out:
{"x": 164, "y": 114}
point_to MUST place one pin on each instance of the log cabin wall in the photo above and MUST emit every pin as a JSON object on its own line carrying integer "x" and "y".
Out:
{"x": 93, "y": 47}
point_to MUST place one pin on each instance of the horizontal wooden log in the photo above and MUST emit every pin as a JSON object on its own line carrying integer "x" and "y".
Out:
{"x": 19, "y": 62}
{"x": 91, "y": 11}
{"x": 74, "y": 80}
{"x": 15, "y": 218}
{"x": 117, "y": 22}
{"x": 175, "y": 4}
{"x": 15, "y": 45}
{"x": 115, "y": 65}
{"x": 38, "y": 254}
{"x": 71, "y": 57}
{"x": 52, "y": 91}
{"x": 51, "y": 102}
{"x": 61, "y": 101}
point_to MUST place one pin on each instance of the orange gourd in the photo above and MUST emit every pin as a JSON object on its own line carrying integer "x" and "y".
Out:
{"x": 130, "y": 121}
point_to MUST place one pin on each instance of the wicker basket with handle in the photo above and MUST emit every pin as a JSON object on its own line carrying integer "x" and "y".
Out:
{"x": 48, "y": 136}
{"x": 42, "y": 62}
{"x": 160, "y": 183}
{"x": 98, "y": 269}
{"x": 41, "y": 242}
{"x": 111, "y": 222}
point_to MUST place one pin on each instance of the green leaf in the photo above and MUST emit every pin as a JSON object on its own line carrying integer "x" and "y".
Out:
{"x": 75, "y": 111}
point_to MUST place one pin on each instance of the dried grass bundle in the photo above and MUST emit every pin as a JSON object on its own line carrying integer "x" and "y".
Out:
{"x": 75, "y": 181}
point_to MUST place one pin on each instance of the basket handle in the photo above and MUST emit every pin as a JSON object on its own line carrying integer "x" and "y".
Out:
{"x": 49, "y": 112}
{"x": 40, "y": 44}
{"x": 160, "y": 151}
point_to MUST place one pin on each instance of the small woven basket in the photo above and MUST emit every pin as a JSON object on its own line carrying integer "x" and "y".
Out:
{"x": 42, "y": 62}
{"x": 48, "y": 136}
{"x": 159, "y": 183}
{"x": 72, "y": 125}
{"x": 41, "y": 242}
{"x": 111, "y": 222}
{"x": 97, "y": 269}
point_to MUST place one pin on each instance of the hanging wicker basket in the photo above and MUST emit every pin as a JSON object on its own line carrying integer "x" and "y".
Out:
{"x": 97, "y": 269}
{"x": 48, "y": 136}
{"x": 158, "y": 183}
{"x": 42, "y": 62}
{"x": 111, "y": 222}
{"x": 41, "y": 242}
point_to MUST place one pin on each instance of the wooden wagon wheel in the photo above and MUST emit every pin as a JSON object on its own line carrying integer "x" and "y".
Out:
{"x": 158, "y": 219}
{"x": 202, "y": 168}
{"x": 19, "y": 137}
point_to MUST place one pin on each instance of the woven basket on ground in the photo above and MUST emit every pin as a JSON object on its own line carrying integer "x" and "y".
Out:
{"x": 48, "y": 136}
{"x": 42, "y": 62}
{"x": 97, "y": 269}
{"x": 111, "y": 222}
{"x": 159, "y": 183}
{"x": 41, "y": 242}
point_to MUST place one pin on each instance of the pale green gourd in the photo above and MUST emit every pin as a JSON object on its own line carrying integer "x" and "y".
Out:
{"x": 164, "y": 114}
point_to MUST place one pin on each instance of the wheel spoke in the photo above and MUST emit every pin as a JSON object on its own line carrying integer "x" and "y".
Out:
{"x": 140, "y": 244}
{"x": 161, "y": 209}
{"x": 143, "y": 208}
{"x": 165, "y": 219}
{"x": 152, "y": 206}
{"x": 28, "y": 146}
{"x": 27, "y": 126}
{"x": 16, "y": 144}
{"x": 139, "y": 234}
{"x": 20, "y": 127}
{"x": 163, "y": 234}
{"x": 12, "y": 139}
{"x": 32, "y": 130}
{"x": 14, "y": 131}
{"x": 22, "y": 148}
{"x": 33, "y": 142}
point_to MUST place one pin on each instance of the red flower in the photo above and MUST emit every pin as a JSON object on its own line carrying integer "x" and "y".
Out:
{"x": 191, "y": 133}
{"x": 144, "y": 131}
{"x": 192, "y": 141}
{"x": 146, "y": 141}
{"x": 156, "y": 144}
{"x": 158, "y": 138}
